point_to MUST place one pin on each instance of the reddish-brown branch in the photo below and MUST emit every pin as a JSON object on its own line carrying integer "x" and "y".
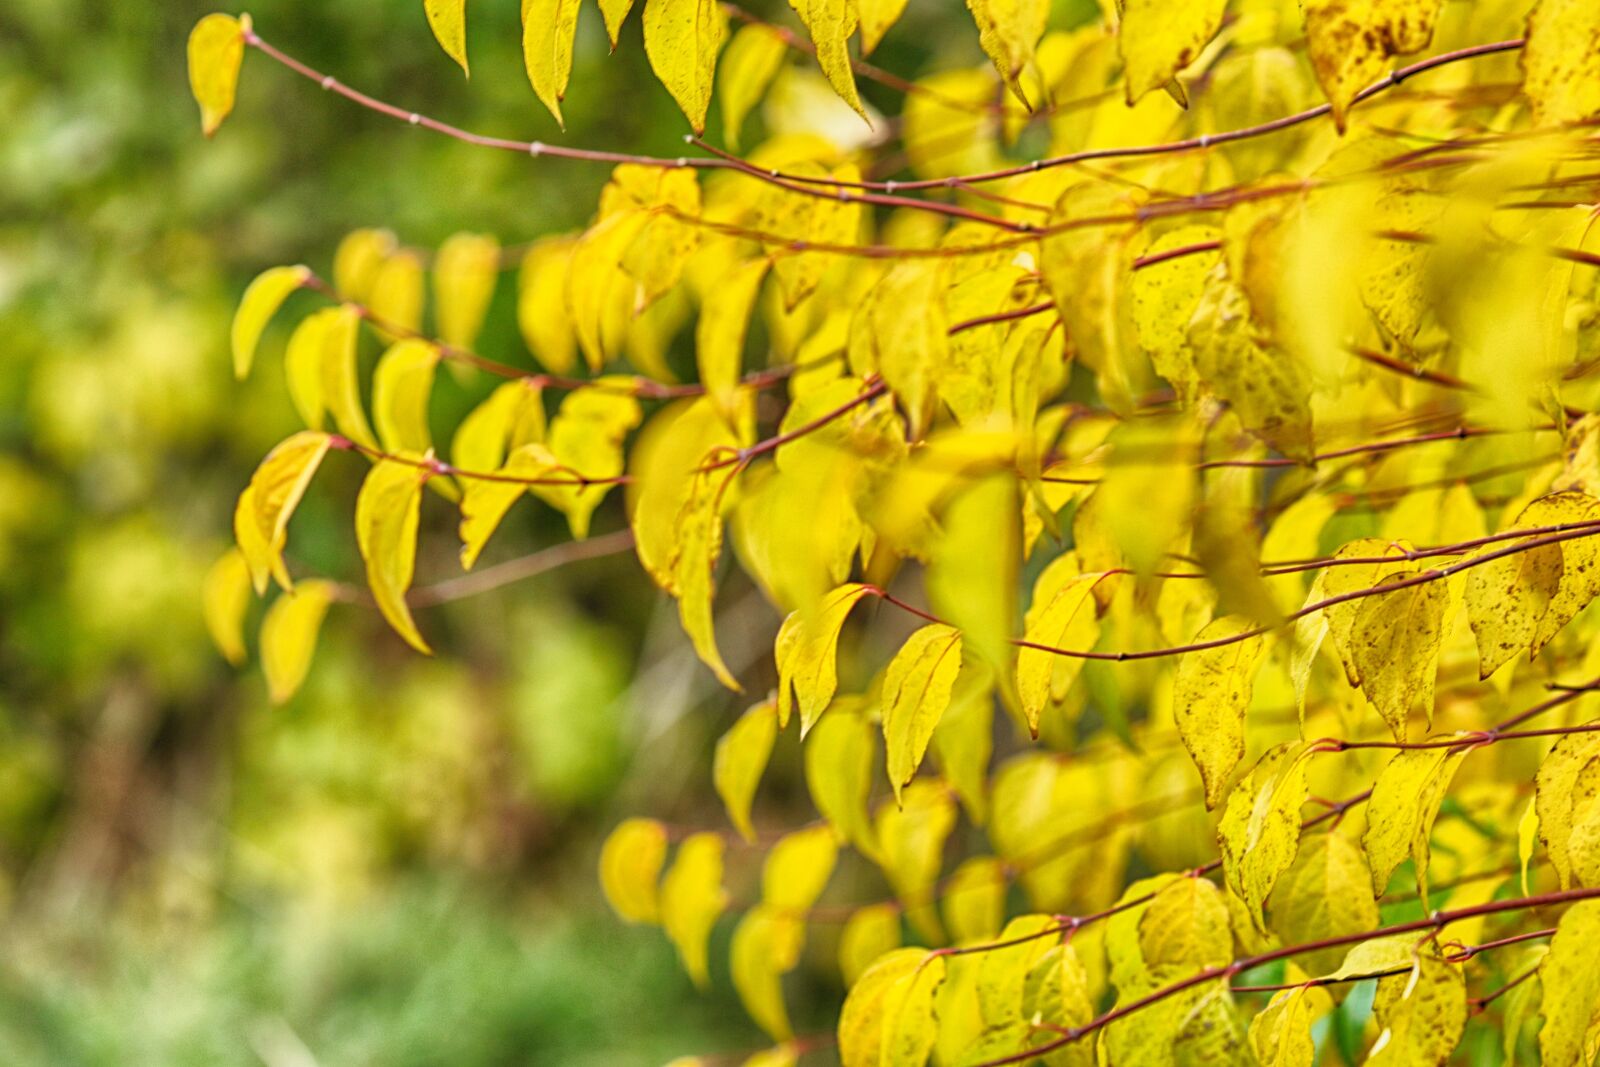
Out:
{"x": 1462, "y": 955}
{"x": 1205, "y": 141}
{"x": 1434, "y": 922}
{"x": 1576, "y": 531}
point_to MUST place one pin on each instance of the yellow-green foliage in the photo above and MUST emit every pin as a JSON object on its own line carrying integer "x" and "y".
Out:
{"x": 1277, "y": 389}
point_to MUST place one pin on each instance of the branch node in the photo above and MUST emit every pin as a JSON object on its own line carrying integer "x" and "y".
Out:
{"x": 414, "y": 118}
{"x": 536, "y": 148}
{"x": 328, "y": 81}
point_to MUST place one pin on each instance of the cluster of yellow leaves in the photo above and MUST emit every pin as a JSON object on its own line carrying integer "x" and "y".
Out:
{"x": 1151, "y": 542}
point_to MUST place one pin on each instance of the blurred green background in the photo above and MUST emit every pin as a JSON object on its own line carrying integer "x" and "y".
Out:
{"x": 397, "y": 868}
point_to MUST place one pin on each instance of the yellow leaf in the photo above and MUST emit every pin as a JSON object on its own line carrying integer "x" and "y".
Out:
{"x": 1281, "y": 1033}
{"x": 1580, "y": 570}
{"x": 1421, "y": 1014}
{"x": 387, "y": 512}
{"x": 1571, "y": 984}
{"x": 681, "y": 40}
{"x": 1350, "y": 42}
{"x": 741, "y": 758}
{"x": 1259, "y": 833}
{"x": 1527, "y": 836}
{"x": 448, "y": 21}
{"x": 975, "y": 899}
{"x": 341, "y": 389}
{"x": 900, "y": 331}
{"x": 1157, "y": 40}
{"x": 944, "y": 126}
{"x": 877, "y": 17}
{"x": 656, "y": 255}
{"x": 1563, "y": 794}
{"x": 1561, "y": 62}
{"x": 1165, "y": 296}
{"x": 807, "y": 220}
{"x": 972, "y": 575}
{"x": 260, "y": 302}
{"x": 1376, "y": 955}
{"x": 289, "y": 635}
{"x": 1339, "y": 620}
{"x": 548, "y": 27}
{"x": 694, "y": 574}
{"x": 1395, "y": 641}
{"x": 511, "y": 417}
{"x": 586, "y": 439}
{"x": 830, "y": 23}
{"x": 1008, "y": 31}
{"x": 838, "y": 770}
{"x": 1295, "y": 535}
{"x": 719, "y": 335}
{"x": 1067, "y": 620}
{"x": 911, "y": 838}
{"x": 614, "y": 13}
{"x": 599, "y": 293}
{"x": 752, "y": 60}
{"x": 1405, "y": 801}
{"x": 302, "y": 365}
{"x": 1210, "y": 696}
{"x": 677, "y": 442}
{"x": 766, "y": 946}
{"x": 909, "y": 1027}
{"x": 1186, "y": 927}
{"x": 484, "y": 502}
{"x": 691, "y": 899}
{"x": 1003, "y": 972}
{"x": 1326, "y": 893}
{"x": 1266, "y": 387}
{"x": 358, "y": 259}
{"x": 397, "y": 295}
{"x": 630, "y": 867}
{"x": 1085, "y": 263}
{"x": 261, "y": 519}
{"x": 216, "y": 49}
{"x": 226, "y": 597}
{"x": 465, "y": 271}
{"x": 1145, "y": 500}
{"x": 916, "y": 690}
{"x": 863, "y": 1017}
{"x": 542, "y": 304}
{"x": 806, "y": 652}
{"x": 870, "y": 933}
{"x": 1507, "y": 599}
{"x": 797, "y": 870}
{"x": 964, "y": 740}
{"x": 401, "y": 387}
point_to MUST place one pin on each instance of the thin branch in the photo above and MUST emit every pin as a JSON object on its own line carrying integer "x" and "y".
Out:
{"x": 522, "y": 568}
{"x": 1434, "y": 922}
{"x": 1205, "y": 141}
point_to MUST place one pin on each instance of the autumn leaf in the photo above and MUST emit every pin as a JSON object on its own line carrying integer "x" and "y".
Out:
{"x": 448, "y": 21}
{"x": 216, "y": 50}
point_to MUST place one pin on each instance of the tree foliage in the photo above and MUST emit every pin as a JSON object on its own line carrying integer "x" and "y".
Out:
{"x": 1182, "y": 426}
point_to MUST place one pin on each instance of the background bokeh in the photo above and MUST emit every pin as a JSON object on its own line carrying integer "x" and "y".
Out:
{"x": 397, "y": 868}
